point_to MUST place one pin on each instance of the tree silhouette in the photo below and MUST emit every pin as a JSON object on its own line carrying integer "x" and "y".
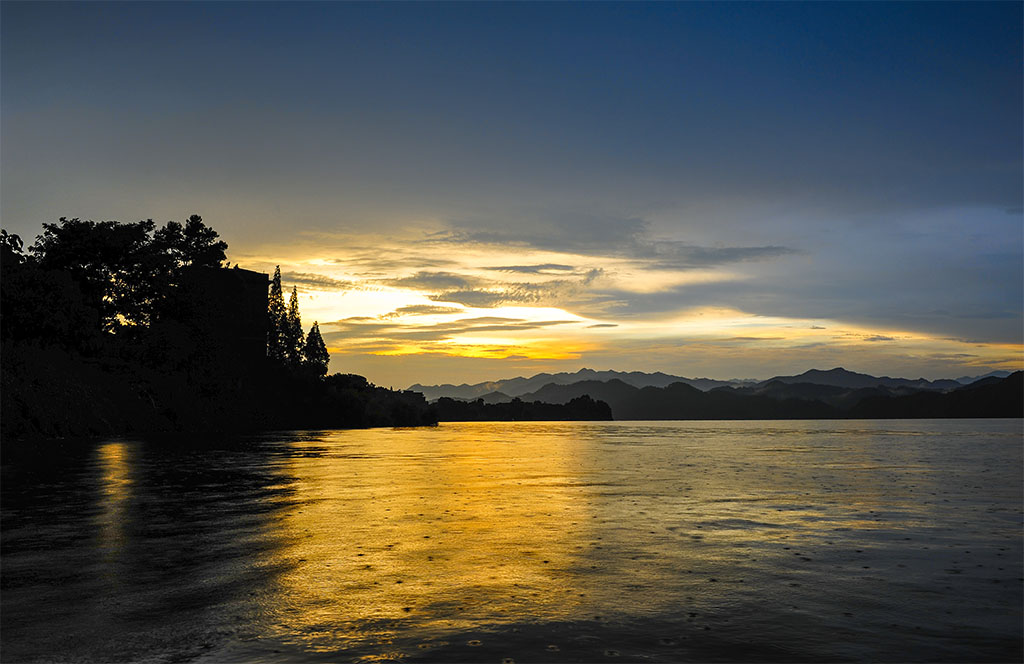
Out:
{"x": 315, "y": 355}
{"x": 125, "y": 271}
{"x": 119, "y": 269}
{"x": 10, "y": 248}
{"x": 195, "y": 243}
{"x": 292, "y": 333}
{"x": 276, "y": 319}
{"x": 38, "y": 304}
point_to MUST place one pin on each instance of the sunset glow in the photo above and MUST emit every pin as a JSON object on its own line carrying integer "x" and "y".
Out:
{"x": 487, "y": 302}
{"x": 472, "y": 194}
{"x": 470, "y": 331}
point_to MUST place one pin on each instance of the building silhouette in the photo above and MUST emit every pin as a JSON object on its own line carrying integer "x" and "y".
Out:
{"x": 225, "y": 312}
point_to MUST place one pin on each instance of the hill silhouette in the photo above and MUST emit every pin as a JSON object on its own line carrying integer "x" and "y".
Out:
{"x": 840, "y": 377}
{"x": 506, "y": 389}
{"x": 995, "y": 397}
{"x": 513, "y": 387}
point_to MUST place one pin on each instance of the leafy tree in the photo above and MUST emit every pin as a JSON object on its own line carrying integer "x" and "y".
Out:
{"x": 10, "y": 248}
{"x": 119, "y": 269}
{"x": 45, "y": 305}
{"x": 41, "y": 304}
{"x": 276, "y": 319}
{"x": 193, "y": 243}
{"x": 124, "y": 270}
{"x": 292, "y": 336}
{"x": 314, "y": 353}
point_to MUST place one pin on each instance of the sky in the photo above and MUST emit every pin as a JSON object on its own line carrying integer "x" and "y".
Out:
{"x": 464, "y": 192}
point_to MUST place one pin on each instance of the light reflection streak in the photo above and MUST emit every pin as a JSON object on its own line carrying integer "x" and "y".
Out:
{"x": 410, "y": 530}
{"x": 442, "y": 537}
{"x": 395, "y": 540}
{"x": 114, "y": 462}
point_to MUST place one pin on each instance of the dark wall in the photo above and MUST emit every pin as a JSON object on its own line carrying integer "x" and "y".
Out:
{"x": 226, "y": 310}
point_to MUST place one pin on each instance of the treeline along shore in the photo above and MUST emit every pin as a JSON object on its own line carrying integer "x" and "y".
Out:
{"x": 112, "y": 328}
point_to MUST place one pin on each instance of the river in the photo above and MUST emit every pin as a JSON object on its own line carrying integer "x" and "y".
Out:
{"x": 896, "y": 540}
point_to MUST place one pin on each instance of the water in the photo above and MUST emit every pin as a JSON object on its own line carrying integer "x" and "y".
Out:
{"x": 524, "y": 542}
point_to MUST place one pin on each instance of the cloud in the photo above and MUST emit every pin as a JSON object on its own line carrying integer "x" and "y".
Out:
{"x": 566, "y": 232}
{"x": 990, "y": 315}
{"x": 560, "y": 292}
{"x": 683, "y": 256}
{"x": 951, "y": 356}
{"x": 484, "y": 320}
{"x": 433, "y": 281}
{"x": 385, "y": 260}
{"x": 423, "y": 310}
{"x": 362, "y": 326}
{"x": 521, "y": 294}
{"x": 473, "y": 291}
{"x": 478, "y": 298}
{"x": 360, "y": 330}
{"x": 316, "y": 281}
{"x": 546, "y": 268}
{"x": 879, "y": 337}
{"x": 597, "y": 235}
{"x": 591, "y": 327}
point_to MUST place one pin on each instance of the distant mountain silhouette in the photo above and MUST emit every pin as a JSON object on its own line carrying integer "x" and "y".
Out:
{"x": 495, "y": 397}
{"x": 616, "y": 393}
{"x": 840, "y": 377}
{"x": 515, "y": 387}
{"x": 840, "y": 397}
{"x": 994, "y": 397}
{"x": 967, "y": 380}
{"x": 505, "y": 390}
{"x": 680, "y": 401}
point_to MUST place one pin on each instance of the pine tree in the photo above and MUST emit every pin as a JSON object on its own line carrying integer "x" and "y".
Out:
{"x": 315, "y": 355}
{"x": 276, "y": 319}
{"x": 292, "y": 334}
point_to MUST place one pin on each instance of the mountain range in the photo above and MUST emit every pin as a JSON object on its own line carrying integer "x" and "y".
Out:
{"x": 990, "y": 397}
{"x": 513, "y": 387}
{"x": 815, "y": 394}
{"x": 504, "y": 390}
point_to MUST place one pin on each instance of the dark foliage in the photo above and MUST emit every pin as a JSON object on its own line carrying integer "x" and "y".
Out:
{"x": 111, "y": 328}
{"x": 314, "y": 354}
{"x": 48, "y": 306}
{"x": 276, "y": 319}
{"x": 193, "y": 244}
{"x": 292, "y": 339}
{"x": 11, "y": 248}
{"x": 52, "y": 393}
{"x": 578, "y": 409}
{"x": 125, "y": 270}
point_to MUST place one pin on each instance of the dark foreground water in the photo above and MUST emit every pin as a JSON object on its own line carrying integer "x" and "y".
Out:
{"x": 524, "y": 542}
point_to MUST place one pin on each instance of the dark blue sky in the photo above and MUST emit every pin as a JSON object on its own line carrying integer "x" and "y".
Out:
{"x": 848, "y": 146}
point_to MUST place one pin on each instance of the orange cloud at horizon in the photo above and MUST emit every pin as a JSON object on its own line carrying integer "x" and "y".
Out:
{"x": 388, "y": 306}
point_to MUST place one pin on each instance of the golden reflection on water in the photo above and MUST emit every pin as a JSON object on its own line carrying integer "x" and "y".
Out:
{"x": 376, "y": 544}
{"x": 440, "y": 531}
{"x": 115, "y": 466}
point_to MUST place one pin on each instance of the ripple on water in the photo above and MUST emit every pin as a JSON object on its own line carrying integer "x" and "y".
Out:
{"x": 653, "y": 541}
